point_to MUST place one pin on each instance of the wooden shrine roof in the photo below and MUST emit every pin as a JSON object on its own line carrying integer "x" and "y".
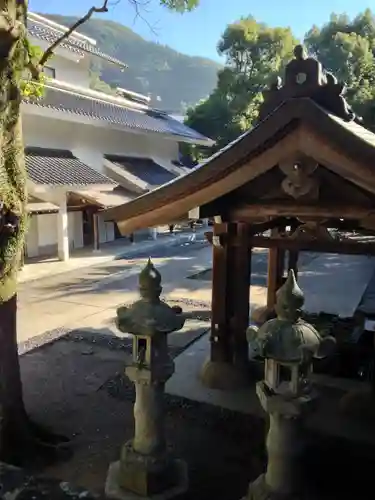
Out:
{"x": 296, "y": 123}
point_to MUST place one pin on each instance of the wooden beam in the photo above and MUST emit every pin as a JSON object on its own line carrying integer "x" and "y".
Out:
{"x": 285, "y": 209}
{"x": 200, "y": 187}
{"x": 252, "y": 229}
{"x": 341, "y": 247}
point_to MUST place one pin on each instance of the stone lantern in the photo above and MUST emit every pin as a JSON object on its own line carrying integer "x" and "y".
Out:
{"x": 146, "y": 469}
{"x": 288, "y": 345}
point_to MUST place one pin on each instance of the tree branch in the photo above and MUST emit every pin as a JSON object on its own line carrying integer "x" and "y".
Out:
{"x": 137, "y": 5}
{"x": 49, "y": 52}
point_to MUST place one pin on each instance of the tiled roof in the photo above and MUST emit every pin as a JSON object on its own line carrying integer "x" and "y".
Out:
{"x": 50, "y": 167}
{"x": 50, "y": 35}
{"x": 39, "y": 207}
{"x": 107, "y": 199}
{"x": 144, "y": 168}
{"x": 115, "y": 114}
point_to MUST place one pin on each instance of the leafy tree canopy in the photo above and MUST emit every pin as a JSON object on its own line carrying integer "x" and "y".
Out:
{"x": 180, "y": 5}
{"x": 256, "y": 53}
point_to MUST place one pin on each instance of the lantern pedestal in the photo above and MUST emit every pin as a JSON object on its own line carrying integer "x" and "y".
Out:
{"x": 151, "y": 478}
{"x": 285, "y": 445}
{"x": 146, "y": 469}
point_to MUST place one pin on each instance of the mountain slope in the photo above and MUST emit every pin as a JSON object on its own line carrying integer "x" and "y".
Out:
{"x": 178, "y": 79}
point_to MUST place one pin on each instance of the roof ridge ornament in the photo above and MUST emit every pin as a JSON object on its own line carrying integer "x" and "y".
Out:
{"x": 306, "y": 78}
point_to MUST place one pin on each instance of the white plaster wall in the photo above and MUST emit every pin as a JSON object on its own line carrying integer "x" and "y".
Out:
{"x": 90, "y": 143}
{"x": 106, "y": 230}
{"x": 47, "y": 234}
{"x": 75, "y": 230}
{"x": 69, "y": 66}
{"x": 32, "y": 244}
{"x": 72, "y": 72}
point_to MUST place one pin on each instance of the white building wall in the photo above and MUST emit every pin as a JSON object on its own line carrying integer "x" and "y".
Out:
{"x": 90, "y": 143}
{"x": 41, "y": 236}
{"x": 47, "y": 233}
{"x": 75, "y": 73}
{"x": 75, "y": 230}
{"x": 69, "y": 66}
{"x": 32, "y": 244}
{"x": 106, "y": 230}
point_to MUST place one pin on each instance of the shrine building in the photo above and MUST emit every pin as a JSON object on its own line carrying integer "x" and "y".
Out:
{"x": 307, "y": 165}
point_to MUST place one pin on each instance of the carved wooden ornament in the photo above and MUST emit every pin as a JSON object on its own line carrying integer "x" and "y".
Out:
{"x": 298, "y": 181}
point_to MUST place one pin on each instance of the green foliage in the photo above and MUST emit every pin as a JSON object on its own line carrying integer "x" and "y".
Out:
{"x": 180, "y": 5}
{"x": 178, "y": 79}
{"x": 255, "y": 54}
{"x": 97, "y": 83}
{"x": 345, "y": 47}
{"x": 31, "y": 88}
{"x": 13, "y": 193}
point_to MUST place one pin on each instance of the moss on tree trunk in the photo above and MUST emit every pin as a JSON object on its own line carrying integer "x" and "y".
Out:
{"x": 20, "y": 439}
{"x": 13, "y": 193}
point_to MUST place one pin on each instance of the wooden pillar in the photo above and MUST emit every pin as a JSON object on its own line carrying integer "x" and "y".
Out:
{"x": 276, "y": 264}
{"x": 220, "y": 343}
{"x": 226, "y": 367}
{"x": 280, "y": 268}
{"x": 272, "y": 273}
{"x": 293, "y": 254}
{"x": 239, "y": 294}
{"x": 293, "y": 262}
{"x": 96, "y": 231}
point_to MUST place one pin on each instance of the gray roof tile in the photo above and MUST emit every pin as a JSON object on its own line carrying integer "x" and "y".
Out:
{"x": 115, "y": 114}
{"x": 50, "y": 35}
{"x": 144, "y": 168}
{"x": 50, "y": 167}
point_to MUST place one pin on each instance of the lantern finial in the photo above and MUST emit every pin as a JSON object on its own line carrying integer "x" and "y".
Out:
{"x": 150, "y": 282}
{"x": 289, "y": 299}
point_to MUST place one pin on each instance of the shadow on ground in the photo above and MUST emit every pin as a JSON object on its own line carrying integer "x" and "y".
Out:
{"x": 76, "y": 385}
{"x": 259, "y": 266}
{"x": 111, "y": 277}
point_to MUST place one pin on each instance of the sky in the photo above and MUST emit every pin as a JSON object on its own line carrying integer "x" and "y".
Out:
{"x": 197, "y": 33}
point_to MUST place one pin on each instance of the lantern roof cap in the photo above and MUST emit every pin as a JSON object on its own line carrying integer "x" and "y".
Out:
{"x": 150, "y": 279}
{"x": 149, "y": 316}
{"x": 288, "y": 338}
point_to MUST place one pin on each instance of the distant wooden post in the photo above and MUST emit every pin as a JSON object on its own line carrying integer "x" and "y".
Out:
{"x": 239, "y": 294}
{"x": 220, "y": 345}
{"x": 293, "y": 255}
{"x": 275, "y": 274}
{"x": 227, "y": 366}
{"x": 96, "y": 231}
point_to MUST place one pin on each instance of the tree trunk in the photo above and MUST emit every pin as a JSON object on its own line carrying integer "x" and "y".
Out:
{"x": 19, "y": 437}
{"x": 13, "y": 415}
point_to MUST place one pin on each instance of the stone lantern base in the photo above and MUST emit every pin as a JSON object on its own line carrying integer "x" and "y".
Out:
{"x": 137, "y": 477}
{"x": 224, "y": 376}
{"x": 258, "y": 490}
